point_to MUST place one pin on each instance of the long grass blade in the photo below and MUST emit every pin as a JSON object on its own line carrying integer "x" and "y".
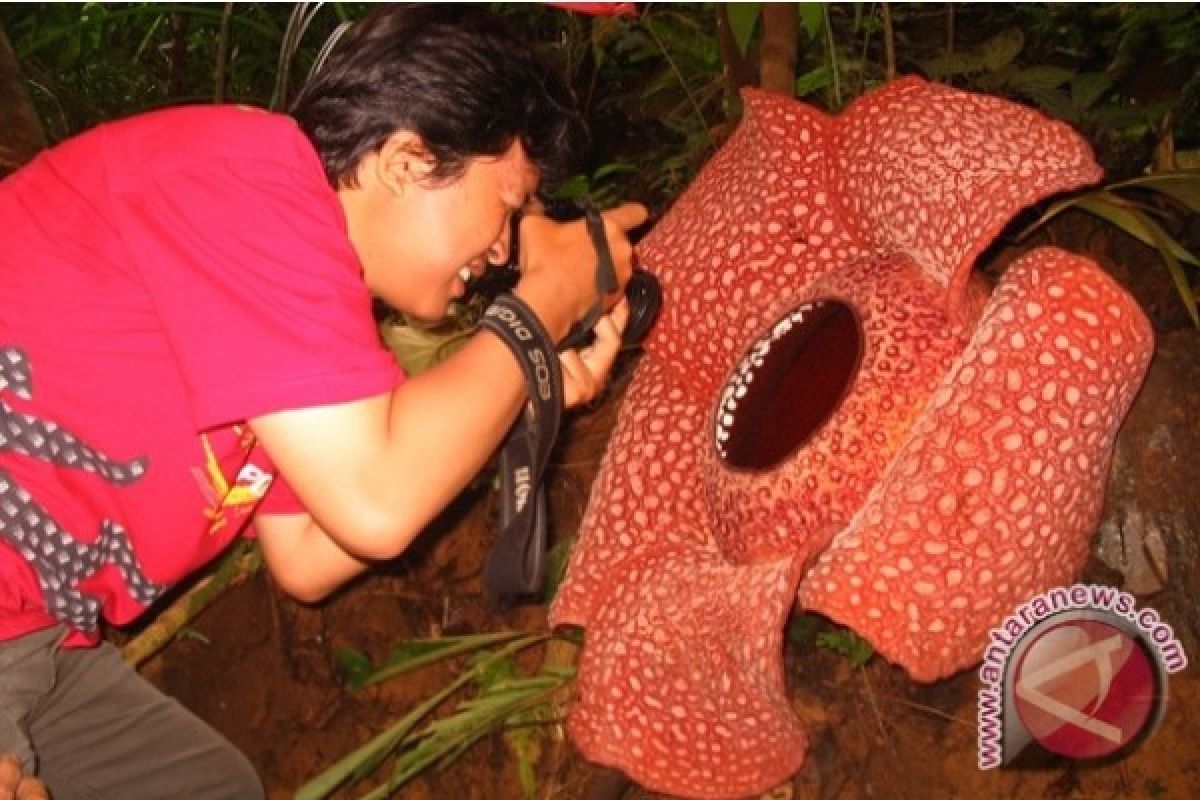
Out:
{"x": 1136, "y": 223}
{"x": 447, "y": 739}
{"x": 364, "y": 760}
{"x": 1182, "y": 285}
{"x": 1183, "y": 185}
{"x": 422, "y": 652}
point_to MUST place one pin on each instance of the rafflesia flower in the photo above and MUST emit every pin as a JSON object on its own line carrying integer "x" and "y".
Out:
{"x": 835, "y": 412}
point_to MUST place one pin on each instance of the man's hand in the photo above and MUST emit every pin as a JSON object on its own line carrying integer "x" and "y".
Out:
{"x": 558, "y": 264}
{"x": 585, "y": 371}
{"x": 362, "y": 467}
{"x": 16, "y": 785}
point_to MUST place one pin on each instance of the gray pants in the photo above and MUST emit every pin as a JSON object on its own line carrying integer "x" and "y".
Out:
{"x": 93, "y": 729}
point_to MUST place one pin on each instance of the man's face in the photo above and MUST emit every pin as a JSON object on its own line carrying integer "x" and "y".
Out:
{"x": 417, "y": 238}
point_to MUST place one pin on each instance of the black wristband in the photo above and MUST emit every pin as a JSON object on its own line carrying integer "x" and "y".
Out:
{"x": 510, "y": 318}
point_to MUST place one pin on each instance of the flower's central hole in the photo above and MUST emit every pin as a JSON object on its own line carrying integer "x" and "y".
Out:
{"x": 788, "y": 384}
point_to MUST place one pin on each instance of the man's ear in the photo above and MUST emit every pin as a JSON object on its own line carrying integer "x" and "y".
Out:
{"x": 403, "y": 161}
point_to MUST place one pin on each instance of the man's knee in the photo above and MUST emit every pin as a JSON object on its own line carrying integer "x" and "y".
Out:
{"x": 14, "y": 742}
{"x": 241, "y": 779}
{"x": 214, "y": 769}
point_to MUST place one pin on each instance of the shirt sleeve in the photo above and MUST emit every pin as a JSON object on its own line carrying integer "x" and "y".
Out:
{"x": 256, "y": 286}
{"x": 280, "y": 499}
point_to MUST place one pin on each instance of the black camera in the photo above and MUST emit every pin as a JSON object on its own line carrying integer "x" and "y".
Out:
{"x": 642, "y": 291}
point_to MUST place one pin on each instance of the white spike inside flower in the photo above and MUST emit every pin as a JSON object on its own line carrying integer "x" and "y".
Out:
{"x": 738, "y": 385}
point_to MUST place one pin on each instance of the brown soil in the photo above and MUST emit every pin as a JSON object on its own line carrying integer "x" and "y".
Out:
{"x": 874, "y": 733}
{"x": 260, "y": 668}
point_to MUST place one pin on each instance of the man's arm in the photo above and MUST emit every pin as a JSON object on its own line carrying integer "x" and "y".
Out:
{"x": 308, "y": 564}
{"x": 301, "y": 557}
{"x": 374, "y": 472}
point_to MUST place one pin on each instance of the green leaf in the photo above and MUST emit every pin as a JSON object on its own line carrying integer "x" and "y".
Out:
{"x": 1164, "y": 244}
{"x": 953, "y": 65}
{"x": 812, "y": 19}
{"x": 1040, "y": 78}
{"x": 1002, "y": 49}
{"x": 849, "y": 644}
{"x": 354, "y": 666}
{"x": 572, "y": 188}
{"x": 1130, "y": 121}
{"x": 992, "y": 56}
{"x": 417, "y": 349}
{"x": 996, "y": 80}
{"x": 194, "y": 635}
{"x": 523, "y": 737}
{"x": 801, "y": 628}
{"x": 615, "y": 168}
{"x": 556, "y": 567}
{"x": 492, "y": 671}
{"x": 604, "y": 29}
{"x": 527, "y": 749}
{"x": 1136, "y": 223}
{"x": 1183, "y": 185}
{"x": 743, "y": 19}
{"x": 364, "y": 760}
{"x": 1088, "y": 87}
{"x": 444, "y": 740}
{"x": 422, "y": 652}
{"x": 1121, "y": 213}
{"x": 1054, "y": 102}
{"x": 813, "y": 80}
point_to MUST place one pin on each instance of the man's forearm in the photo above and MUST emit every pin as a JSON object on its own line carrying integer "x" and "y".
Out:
{"x": 301, "y": 557}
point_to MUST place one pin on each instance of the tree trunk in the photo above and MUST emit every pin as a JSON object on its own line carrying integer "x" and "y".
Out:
{"x": 778, "y": 54}
{"x": 20, "y": 130}
{"x": 178, "y": 54}
{"x": 738, "y": 72}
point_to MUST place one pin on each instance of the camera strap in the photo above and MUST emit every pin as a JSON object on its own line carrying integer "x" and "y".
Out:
{"x": 516, "y": 563}
{"x": 606, "y": 279}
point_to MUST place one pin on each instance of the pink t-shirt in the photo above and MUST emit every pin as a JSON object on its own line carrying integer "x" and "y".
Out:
{"x": 162, "y": 279}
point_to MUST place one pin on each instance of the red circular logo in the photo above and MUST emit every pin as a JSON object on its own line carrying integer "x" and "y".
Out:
{"x": 1085, "y": 688}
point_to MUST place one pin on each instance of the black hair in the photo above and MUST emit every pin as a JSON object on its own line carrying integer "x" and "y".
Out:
{"x": 456, "y": 76}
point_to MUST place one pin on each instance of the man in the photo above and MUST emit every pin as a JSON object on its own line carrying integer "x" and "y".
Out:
{"x": 186, "y": 345}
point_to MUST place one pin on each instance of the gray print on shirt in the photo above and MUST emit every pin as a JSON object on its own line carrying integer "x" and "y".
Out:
{"x": 59, "y": 559}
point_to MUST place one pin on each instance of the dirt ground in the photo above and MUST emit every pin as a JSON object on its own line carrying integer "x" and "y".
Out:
{"x": 260, "y": 668}
{"x": 873, "y": 732}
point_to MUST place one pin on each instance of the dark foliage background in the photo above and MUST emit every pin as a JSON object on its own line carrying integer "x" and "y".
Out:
{"x": 659, "y": 86}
